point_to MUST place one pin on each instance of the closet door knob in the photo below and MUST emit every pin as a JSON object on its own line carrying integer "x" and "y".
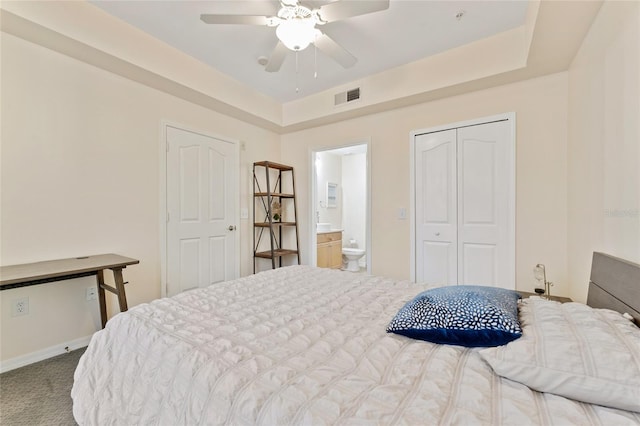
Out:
{"x": 437, "y": 234}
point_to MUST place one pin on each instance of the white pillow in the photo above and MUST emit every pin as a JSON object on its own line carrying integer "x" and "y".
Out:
{"x": 573, "y": 350}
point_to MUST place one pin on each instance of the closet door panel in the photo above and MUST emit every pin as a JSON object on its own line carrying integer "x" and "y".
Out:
{"x": 436, "y": 215}
{"x": 479, "y": 265}
{"x": 483, "y": 185}
{"x": 478, "y": 170}
{"x": 464, "y": 205}
{"x": 436, "y": 262}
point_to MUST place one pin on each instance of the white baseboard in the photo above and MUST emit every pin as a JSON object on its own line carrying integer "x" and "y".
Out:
{"x": 46, "y": 353}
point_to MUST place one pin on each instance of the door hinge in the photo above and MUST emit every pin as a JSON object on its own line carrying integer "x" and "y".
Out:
{"x": 167, "y": 146}
{"x": 168, "y": 217}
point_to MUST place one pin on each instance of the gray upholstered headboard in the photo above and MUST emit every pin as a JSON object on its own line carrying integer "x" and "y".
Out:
{"x": 615, "y": 284}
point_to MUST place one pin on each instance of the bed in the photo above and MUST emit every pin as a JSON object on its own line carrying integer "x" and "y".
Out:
{"x": 303, "y": 345}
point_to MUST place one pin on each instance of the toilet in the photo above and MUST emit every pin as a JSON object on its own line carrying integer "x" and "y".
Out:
{"x": 352, "y": 255}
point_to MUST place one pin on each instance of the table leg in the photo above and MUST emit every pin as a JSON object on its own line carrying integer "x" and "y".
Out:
{"x": 101, "y": 298}
{"x": 122, "y": 297}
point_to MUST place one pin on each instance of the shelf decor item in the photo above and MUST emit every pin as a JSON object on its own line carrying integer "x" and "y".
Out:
{"x": 276, "y": 210}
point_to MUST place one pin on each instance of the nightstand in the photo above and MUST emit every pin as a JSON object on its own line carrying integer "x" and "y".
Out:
{"x": 560, "y": 299}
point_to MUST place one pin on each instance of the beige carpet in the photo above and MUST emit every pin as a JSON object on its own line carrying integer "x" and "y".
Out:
{"x": 39, "y": 394}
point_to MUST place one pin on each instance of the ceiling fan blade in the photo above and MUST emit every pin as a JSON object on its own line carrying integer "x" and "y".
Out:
{"x": 335, "y": 51}
{"x": 234, "y": 19}
{"x": 348, "y": 8}
{"x": 277, "y": 57}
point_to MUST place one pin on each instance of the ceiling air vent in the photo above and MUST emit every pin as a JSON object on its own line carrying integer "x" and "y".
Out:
{"x": 348, "y": 96}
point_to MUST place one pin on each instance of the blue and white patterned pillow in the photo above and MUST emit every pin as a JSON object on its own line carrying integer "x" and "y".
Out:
{"x": 463, "y": 315}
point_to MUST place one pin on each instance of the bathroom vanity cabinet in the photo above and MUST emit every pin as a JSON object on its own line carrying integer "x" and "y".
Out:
{"x": 330, "y": 250}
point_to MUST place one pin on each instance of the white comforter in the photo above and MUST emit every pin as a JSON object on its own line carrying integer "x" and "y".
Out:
{"x": 297, "y": 345}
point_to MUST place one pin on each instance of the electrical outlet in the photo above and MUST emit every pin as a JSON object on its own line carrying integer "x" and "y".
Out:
{"x": 20, "y": 307}
{"x": 92, "y": 293}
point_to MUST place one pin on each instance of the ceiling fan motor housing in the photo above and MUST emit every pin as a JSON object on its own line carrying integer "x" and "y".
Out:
{"x": 292, "y": 12}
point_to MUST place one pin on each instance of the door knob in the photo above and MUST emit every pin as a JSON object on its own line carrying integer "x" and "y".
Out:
{"x": 232, "y": 227}
{"x": 437, "y": 234}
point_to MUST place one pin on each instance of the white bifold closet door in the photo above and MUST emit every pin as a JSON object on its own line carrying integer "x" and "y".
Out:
{"x": 463, "y": 216}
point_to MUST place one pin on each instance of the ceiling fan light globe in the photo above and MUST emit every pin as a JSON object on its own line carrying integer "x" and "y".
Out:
{"x": 296, "y": 33}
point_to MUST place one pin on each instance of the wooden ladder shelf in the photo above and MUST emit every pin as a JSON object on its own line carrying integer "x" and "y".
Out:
{"x": 277, "y": 202}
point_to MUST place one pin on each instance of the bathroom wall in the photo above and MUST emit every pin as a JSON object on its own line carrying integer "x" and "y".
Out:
{"x": 329, "y": 169}
{"x": 354, "y": 213}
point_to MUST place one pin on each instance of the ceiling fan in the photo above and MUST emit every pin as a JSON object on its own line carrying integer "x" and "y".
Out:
{"x": 296, "y": 27}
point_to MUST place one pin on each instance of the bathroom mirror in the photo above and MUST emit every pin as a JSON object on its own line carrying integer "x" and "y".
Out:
{"x": 332, "y": 195}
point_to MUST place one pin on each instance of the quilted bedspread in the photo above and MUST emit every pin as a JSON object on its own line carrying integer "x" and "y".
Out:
{"x": 297, "y": 345}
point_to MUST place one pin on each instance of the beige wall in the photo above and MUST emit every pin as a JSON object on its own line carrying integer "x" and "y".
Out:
{"x": 80, "y": 175}
{"x": 541, "y": 225}
{"x": 604, "y": 143}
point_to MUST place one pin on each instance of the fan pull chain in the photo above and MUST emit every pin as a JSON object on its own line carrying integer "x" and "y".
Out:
{"x": 315, "y": 61}
{"x": 297, "y": 88}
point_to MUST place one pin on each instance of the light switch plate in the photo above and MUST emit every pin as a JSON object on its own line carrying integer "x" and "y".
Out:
{"x": 402, "y": 213}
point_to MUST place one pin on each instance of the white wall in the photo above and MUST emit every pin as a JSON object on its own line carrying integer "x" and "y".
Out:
{"x": 604, "y": 143}
{"x": 80, "y": 175}
{"x": 541, "y": 213}
{"x": 329, "y": 169}
{"x": 354, "y": 184}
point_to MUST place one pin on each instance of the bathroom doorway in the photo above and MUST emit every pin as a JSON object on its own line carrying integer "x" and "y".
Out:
{"x": 341, "y": 207}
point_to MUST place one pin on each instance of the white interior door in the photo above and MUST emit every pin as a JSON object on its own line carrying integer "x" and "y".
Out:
{"x": 436, "y": 218}
{"x": 464, "y": 210}
{"x": 483, "y": 205}
{"x": 201, "y": 223}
